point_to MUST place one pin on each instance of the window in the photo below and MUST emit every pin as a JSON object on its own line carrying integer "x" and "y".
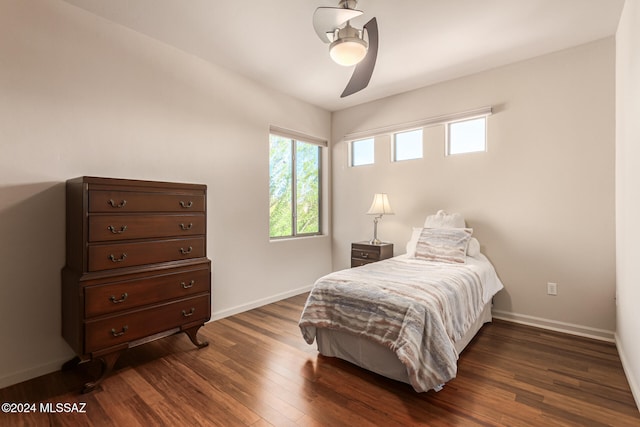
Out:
{"x": 467, "y": 136}
{"x": 407, "y": 145}
{"x": 294, "y": 187}
{"x": 362, "y": 152}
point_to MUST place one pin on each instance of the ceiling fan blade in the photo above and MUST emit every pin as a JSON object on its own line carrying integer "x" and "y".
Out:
{"x": 327, "y": 19}
{"x": 362, "y": 74}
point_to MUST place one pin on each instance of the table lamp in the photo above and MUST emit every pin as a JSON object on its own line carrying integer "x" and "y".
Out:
{"x": 379, "y": 207}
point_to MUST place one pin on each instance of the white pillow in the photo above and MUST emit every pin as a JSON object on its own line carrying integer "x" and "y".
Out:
{"x": 473, "y": 250}
{"x": 411, "y": 244}
{"x": 444, "y": 220}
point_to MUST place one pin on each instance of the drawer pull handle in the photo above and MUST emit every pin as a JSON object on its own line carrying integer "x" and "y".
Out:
{"x": 186, "y": 205}
{"x": 112, "y": 229}
{"x": 117, "y": 205}
{"x": 190, "y": 313}
{"x": 113, "y": 299}
{"x": 187, "y": 285}
{"x": 184, "y": 251}
{"x": 121, "y": 333}
{"x": 113, "y": 258}
{"x": 186, "y": 227}
{"x": 364, "y": 255}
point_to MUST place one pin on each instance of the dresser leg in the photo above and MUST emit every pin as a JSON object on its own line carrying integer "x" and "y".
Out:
{"x": 192, "y": 333}
{"x": 71, "y": 364}
{"x": 107, "y": 361}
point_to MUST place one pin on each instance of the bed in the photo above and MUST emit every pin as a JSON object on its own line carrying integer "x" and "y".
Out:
{"x": 408, "y": 317}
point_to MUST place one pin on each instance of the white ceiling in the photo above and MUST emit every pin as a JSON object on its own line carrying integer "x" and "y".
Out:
{"x": 421, "y": 41}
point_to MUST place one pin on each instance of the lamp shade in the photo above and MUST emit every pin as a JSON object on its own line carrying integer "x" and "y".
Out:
{"x": 380, "y": 205}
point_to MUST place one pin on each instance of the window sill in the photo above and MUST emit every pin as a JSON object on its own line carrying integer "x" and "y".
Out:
{"x": 297, "y": 238}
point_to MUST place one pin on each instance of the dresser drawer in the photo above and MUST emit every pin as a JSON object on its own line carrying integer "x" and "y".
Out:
{"x": 124, "y": 227}
{"x": 134, "y": 325}
{"x": 131, "y": 201}
{"x": 120, "y": 255}
{"x": 120, "y": 296}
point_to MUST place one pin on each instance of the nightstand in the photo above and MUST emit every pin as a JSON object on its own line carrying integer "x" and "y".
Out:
{"x": 365, "y": 253}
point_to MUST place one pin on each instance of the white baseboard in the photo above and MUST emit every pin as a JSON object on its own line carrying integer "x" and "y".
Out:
{"x": 258, "y": 303}
{"x": 633, "y": 385}
{"x": 31, "y": 373}
{"x": 553, "y": 325}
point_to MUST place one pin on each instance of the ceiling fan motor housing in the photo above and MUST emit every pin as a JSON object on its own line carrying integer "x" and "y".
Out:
{"x": 348, "y": 34}
{"x": 348, "y": 4}
{"x": 348, "y": 47}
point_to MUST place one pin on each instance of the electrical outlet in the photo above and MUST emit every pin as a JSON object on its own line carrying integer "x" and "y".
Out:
{"x": 552, "y": 288}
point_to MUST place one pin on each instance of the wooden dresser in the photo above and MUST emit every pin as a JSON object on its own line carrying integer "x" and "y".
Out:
{"x": 136, "y": 266}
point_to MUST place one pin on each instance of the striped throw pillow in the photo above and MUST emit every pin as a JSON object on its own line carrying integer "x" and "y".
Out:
{"x": 444, "y": 244}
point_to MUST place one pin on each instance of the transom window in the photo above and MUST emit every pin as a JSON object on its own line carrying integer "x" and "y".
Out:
{"x": 407, "y": 145}
{"x": 362, "y": 152}
{"x": 467, "y": 136}
{"x": 294, "y": 187}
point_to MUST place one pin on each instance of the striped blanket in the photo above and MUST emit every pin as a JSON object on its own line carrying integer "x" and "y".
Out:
{"x": 417, "y": 309}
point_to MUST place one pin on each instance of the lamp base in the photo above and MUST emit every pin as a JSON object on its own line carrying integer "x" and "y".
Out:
{"x": 375, "y": 240}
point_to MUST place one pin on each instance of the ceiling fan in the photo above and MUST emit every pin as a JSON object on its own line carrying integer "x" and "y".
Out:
{"x": 348, "y": 45}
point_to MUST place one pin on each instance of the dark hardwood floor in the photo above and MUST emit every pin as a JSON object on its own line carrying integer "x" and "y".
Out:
{"x": 258, "y": 371}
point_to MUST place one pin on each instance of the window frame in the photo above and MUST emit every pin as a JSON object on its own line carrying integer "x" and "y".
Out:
{"x": 467, "y": 119}
{"x": 293, "y": 139}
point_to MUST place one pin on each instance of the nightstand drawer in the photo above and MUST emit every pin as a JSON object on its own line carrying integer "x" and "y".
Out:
{"x": 365, "y": 253}
{"x": 357, "y": 262}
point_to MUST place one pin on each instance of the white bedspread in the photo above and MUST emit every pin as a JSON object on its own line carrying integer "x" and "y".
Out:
{"x": 416, "y": 308}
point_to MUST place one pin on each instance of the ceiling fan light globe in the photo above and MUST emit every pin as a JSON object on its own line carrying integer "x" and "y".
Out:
{"x": 348, "y": 51}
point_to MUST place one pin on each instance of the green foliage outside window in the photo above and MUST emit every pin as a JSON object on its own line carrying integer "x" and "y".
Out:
{"x": 280, "y": 194}
{"x": 294, "y": 187}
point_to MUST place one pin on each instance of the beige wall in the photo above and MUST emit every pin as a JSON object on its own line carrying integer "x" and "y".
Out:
{"x": 628, "y": 192}
{"x": 82, "y": 96}
{"x": 540, "y": 200}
